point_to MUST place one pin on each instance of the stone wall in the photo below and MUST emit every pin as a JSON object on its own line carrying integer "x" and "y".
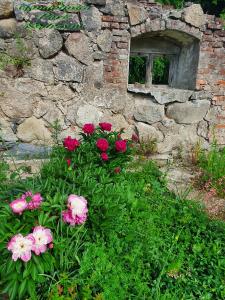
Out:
{"x": 82, "y": 76}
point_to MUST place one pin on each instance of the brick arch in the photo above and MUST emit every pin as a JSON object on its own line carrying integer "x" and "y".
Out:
{"x": 161, "y": 25}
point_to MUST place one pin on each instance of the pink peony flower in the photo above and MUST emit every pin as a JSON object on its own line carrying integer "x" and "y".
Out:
{"x": 104, "y": 156}
{"x": 88, "y": 128}
{"x": 71, "y": 144}
{"x": 21, "y": 247}
{"x": 77, "y": 210}
{"x": 73, "y": 220}
{"x": 35, "y": 201}
{"x": 121, "y": 145}
{"x": 18, "y": 206}
{"x": 105, "y": 126}
{"x": 102, "y": 144}
{"x": 42, "y": 237}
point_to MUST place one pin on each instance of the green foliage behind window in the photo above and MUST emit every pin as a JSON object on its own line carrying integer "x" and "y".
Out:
{"x": 137, "y": 69}
{"x": 160, "y": 70}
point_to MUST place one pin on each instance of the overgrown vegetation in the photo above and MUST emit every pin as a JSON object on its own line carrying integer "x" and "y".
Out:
{"x": 140, "y": 241}
{"x": 214, "y": 7}
{"x": 212, "y": 166}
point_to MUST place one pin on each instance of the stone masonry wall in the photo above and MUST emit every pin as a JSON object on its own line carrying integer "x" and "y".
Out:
{"x": 81, "y": 76}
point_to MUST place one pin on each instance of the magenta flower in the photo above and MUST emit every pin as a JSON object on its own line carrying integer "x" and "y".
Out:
{"x": 35, "y": 201}
{"x": 77, "y": 210}
{"x": 89, "y": 128}
{"x": 18, "y": 206}
{"x": 42, "y": 237}
{"x": 121, "y": 145}
{"x": 21, "y": 247}
{"x": 104, "y": 156}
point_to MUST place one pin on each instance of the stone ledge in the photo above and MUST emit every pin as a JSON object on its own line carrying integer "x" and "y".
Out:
{"x": 163, "y": 94}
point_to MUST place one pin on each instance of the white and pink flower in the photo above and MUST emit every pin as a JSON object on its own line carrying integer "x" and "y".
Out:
{"x": 28, "y": 201}
{"x": 42, "y": 238}
{"x": 21, "y": 247}
{"x": 18, "y": 206}
{"x": 77, "y": 210}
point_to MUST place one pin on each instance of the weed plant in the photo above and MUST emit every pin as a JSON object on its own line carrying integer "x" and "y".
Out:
{"x": 212, "y": 165}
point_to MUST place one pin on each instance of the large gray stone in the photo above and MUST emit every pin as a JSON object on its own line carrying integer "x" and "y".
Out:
{"x": 23, "y": 150}
{"x": 114, "y": 7}
{"x": 6, "y": 8}
{"x": 201, "y": 95}
{"x": 41, "y": 70}
{"x": 147, "y": 132}
{"x": 182, "y": 139}
{"x": 42, "y": 108}
{"x": 7, "y": 28}
{"x": 148, "y": 112}
{"x": 68, "y": 68}
{"x": 104, "y": 40}
{"x": 213, "y": 113}
{"x": 49, "y": 42}
{"x": 189, "y": 112}
{"x": 6, "y": 132}
{"x": 203, "y": 129}
{"x": 60, "y": 92}
{"x": 137, "y": 14}
{"x": 94, "y": 74}
{"x": 30, "y": 86}
{"x": 33, "y": 130}
{"x": 54, "y": 114}
{"x": 163, "y": 96}
{"x": 16, "y": 105}
{"x": 194, "y": 15}
{"x": 107, "y": 98}
{"x": 118, "y": 122}
{"x": 91, "y": 19}
{"x": 88, "y": 114}
{"x": 78, "y": 46}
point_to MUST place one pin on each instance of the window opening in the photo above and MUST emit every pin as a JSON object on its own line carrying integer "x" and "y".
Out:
{"x": 137, "y": 69}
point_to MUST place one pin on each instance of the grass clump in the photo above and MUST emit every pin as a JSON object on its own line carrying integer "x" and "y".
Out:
{"x": 140, "y": 241}
{"x": 212, "y": 166}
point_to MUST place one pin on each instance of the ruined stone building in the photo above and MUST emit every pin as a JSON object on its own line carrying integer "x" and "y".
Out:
{"x": 80, "y": 74}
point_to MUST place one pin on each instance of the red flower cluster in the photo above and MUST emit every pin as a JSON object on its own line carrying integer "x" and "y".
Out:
{"x": 71, "y": 144}
{"x": 102, "y": 145}
{"x": 89, "y": 128}
{"x": 121, "y": 145}
{"x": 105, "y": 126}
